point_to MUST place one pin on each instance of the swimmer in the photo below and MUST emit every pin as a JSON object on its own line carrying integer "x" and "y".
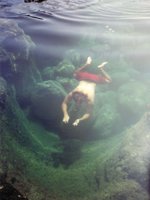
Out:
{"x": 85, "y": 91}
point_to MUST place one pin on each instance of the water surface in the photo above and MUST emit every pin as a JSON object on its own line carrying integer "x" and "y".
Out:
{"x": 56, "y": 26}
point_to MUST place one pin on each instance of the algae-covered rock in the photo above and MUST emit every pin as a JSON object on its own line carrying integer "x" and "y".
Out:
{"x": 131, "y": 161}
{"x": 16, "y": 58}
{"x": 107, "y": 119}
{"x": 61, "y": 75}
{"x": 48, "y": 73}
{"x": 74, "y": 56}
{"x": 135, "y": 152}
{"x": 65, "y": 69}
{"x": 132, "y": 99}
{"x": 19, "y": 141}
{"x": 46, "y": 100}
{"x": 122, "y": 77}
{"x": 115, "y": 168}
{"x": 3, "y": 93}
{"x": 67, "y": 83}
{"x": 71, "y": 152}
{"x": 15, "y": 43}
{"x": 125, "y": 190}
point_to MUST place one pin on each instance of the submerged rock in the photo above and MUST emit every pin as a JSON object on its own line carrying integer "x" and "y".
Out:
{"x": 132, "y": 100}
{"x": 130, "y": 164}
{"x": 65, "y": 69}
{"x": 3, "y": 93}
{"x": 8, "y": 191}
{"x": 129, "y": 190}
{"x": 107, "y": 118}
{"x": 46, "y": 100}
{"x": 16, "y": 57}
{"x": 62, "y": 74}
{"x": 14, "y": 42}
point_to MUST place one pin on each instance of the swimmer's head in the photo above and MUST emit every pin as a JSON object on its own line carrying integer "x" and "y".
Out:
{"x": 79, "y": 97}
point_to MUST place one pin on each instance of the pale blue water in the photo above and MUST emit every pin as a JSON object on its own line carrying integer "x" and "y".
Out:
{"x": 117, "y": 31}
{"x": 56, "y": 26}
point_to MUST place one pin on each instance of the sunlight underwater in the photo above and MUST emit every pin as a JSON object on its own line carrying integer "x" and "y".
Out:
{"x": 105, "y": 157}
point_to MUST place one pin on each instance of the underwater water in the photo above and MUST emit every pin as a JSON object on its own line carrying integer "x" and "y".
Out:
{"x": 42, "y": 43}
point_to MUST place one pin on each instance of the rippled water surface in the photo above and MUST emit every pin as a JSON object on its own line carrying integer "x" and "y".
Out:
{"x": 56, "y": 26}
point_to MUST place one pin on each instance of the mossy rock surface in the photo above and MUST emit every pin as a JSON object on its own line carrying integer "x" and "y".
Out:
{"x": 46, "y": 100}
{"x": 125, "y": 190}
{"x": 132, "y": 99}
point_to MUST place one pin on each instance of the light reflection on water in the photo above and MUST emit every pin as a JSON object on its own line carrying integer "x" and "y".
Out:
{"x": 56, "y": 26}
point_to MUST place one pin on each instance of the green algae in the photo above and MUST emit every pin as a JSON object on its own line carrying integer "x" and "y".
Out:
{"x": 129, "y": 190}
{"x": 78, "y": 181}
{"x": 110, "y": 168}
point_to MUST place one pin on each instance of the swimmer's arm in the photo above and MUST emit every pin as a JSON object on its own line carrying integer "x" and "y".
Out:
{"x": 64, "y": 107}
{"x": 107, "y": 77}
{"x": 85, "y": 116}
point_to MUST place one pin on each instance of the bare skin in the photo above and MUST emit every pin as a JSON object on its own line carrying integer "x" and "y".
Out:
{"x": 86, "y": 88}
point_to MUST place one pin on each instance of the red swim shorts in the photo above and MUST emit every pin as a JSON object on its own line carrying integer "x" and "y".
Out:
{"x": 80, "y": 76}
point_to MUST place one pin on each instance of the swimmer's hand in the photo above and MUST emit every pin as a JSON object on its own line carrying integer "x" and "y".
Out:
{"x": 102, "y": 65}
{"x": 89, "y": 60}
{"x": 76, "y": 122}
{"x": 66, "y": 119}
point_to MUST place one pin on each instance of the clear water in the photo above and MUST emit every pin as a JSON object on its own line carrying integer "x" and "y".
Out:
{"x": 116, "y": 31}
{"x": 56, "y": 26}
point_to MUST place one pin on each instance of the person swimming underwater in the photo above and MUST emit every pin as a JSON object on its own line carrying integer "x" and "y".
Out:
{"x": 85, "y": 91}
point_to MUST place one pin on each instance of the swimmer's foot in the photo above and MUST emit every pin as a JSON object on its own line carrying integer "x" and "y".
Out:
{"x": 102, "y": 65}
{"x": 89, "y": 60}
